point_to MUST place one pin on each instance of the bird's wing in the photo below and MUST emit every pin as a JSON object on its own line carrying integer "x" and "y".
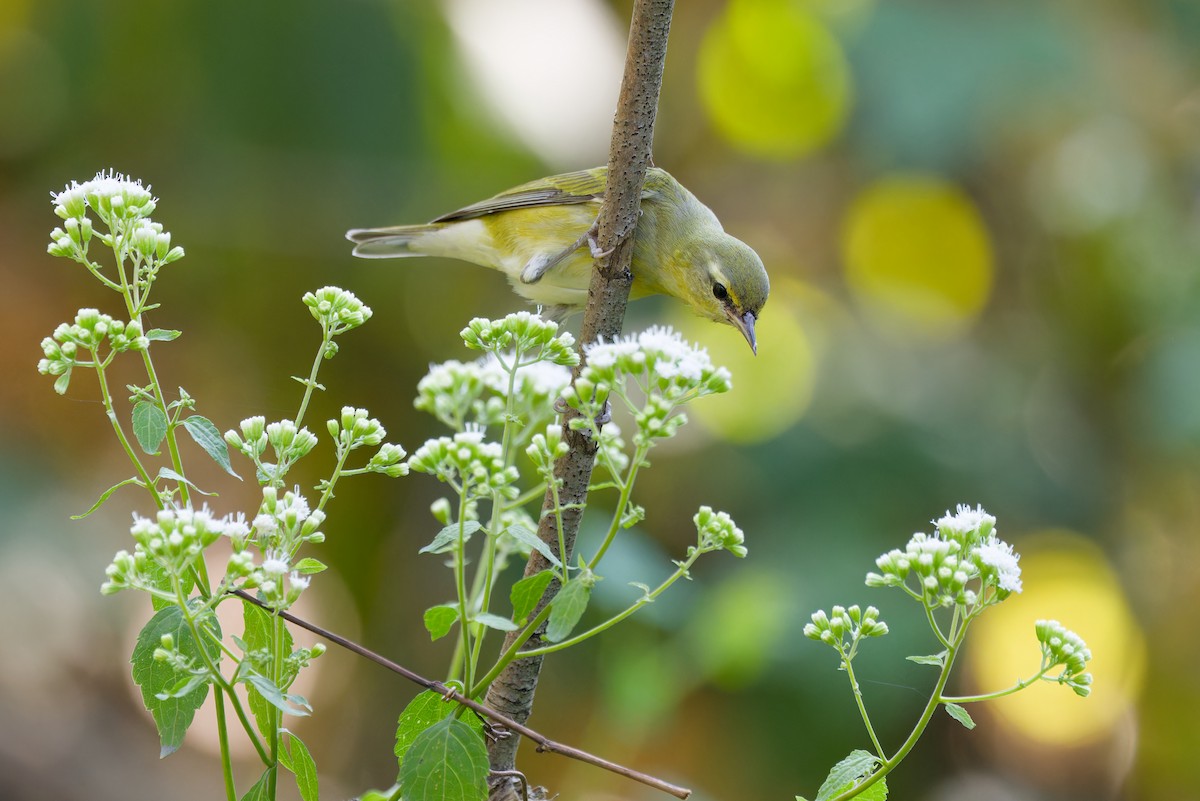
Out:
{"x": 584, "y": 186}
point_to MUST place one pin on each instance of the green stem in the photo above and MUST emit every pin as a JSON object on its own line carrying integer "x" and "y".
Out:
{"x": 626, "y": 489}
{"x": 223, "y": 737}
{"x": 935, "y": 700}
{"x": 511, "y": 652}
{"x": 311, "y": 383}
{"x": 106, "y": 398}
{"x": 276, "y": 712}
{"x": 460, "y": 583}
{"x": 970, "y": 699}
{"x": 862, "y": 708}
{"x": 679, "y": 573}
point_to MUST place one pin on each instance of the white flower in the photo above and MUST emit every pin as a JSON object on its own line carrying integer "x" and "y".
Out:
{"x": 966, "y": 520}
{"x": 998, "y": 555}
{"x": 275, "y": 566}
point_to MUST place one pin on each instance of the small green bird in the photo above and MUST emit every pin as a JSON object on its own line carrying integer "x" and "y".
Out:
{"x": 536, "y": 235}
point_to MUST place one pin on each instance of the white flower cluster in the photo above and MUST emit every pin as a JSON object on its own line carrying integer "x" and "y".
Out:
{"x": 963, "y": 564}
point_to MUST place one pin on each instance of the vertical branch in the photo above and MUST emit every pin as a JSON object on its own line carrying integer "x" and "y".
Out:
{"x": 628, "y": 158}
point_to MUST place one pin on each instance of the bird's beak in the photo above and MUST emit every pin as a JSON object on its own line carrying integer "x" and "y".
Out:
{"x": 745, "y": 324}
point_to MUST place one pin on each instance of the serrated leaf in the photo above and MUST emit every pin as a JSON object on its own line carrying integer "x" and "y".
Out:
{"x": 261, "y": 791}
{"x": 446, "y": 762}
{"x": 936, "y": 660}
{"x": 448, "y": 537}
{"x": 531, "y": 540}
{"x": 172, "y": 715}
{"x": 149, "y": 426}
{"x": 440, "y": 619}
{"x": 495, "y": 622}
{"x": 526, "y": 593}
{"x": 309, "y": 566}
{"x": 847, "y": 773}
{"x": 961, "y": 715}
{"x": 303, "y": 767}
{"x": 162, "y": 335}
{"x": 568, "y": 607}
{"x": 209, "y": 438}
{"x": 259, "y": 627}
{"x": 166, "y": 472}
{"x": 107, "y": 494}
{"x": 424, "y": 710}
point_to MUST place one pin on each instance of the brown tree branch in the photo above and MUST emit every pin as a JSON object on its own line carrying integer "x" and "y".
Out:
{"x": 544, "y": 743}
{"x": 628, "y": 158}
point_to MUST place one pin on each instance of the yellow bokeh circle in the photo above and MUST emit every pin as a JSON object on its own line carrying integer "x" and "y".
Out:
{"x": 773, "y": 80}
{"x": 1066, "y": 578}
{"x": 917, "y": 256}
{"x": 772, "y": 390}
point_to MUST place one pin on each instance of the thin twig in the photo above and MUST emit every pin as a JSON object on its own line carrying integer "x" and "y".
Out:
{"x": 544, "y": 743}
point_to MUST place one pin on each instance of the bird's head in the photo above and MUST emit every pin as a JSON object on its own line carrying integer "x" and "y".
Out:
{"x": 728, "y": 283}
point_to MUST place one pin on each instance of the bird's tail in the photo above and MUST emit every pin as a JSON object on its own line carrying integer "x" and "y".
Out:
{"x": 391, "y": 243}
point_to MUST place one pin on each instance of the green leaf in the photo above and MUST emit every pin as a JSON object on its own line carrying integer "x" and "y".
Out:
{"x": 446, "y": 762}
{"x": 961, "y": 715}
{"x": 568, "y": 607}
{"x": 448, "y": 537}
{"x": 390, "y": 794}
{"x": 261, "y": 791}
{"x": 168, "y": 473}
{"x": 531, "y": 540}
{"x": 259, "y": 636}
{"x": 936, "y": 660}
{"x": 106, "y": 494}
{"x": 309, "y": 566}
{"x": 149, "y": 426}
{"x": 495, "y": 622}
{"x": 424, "y": 710}
{"x": 162, "y": 335}
{"x": 527, "y": 592}
{"x": 439, "y": 620}
{"x": 172, "y": 715}
{"x": 288, "y": 704}
{"x": 209, "y": 438}
{"x": 303, "y": 767}
{"x": 847, "y": 773}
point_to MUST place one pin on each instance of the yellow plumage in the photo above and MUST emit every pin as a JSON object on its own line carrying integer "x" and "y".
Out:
{"x": 536, "y": 234}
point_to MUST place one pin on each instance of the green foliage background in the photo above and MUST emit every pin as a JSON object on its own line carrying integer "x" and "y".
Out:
{"x": 1055, "y": 381}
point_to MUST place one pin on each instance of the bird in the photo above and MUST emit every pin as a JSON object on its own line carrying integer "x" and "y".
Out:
{"x": 541, "y": 236}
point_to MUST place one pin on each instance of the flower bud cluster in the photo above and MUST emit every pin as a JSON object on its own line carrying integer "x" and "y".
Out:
{"x": 124, "y": 206}
{"x": 454, "y": 393}
{"x": 90, "y": 330}
{"x": 1061, "y": 646}
{"x": 466, "y": 461}
{"x": 389, "y": 460}
{"x": 716, "y": 531}
{"x": 963, "y": 564}
{"x": 172, "y": 541}
{"x": 669, "y": 371}
{"x": 545, "y": 448}
{"x": 337, "y": 310}
{"x": 355, "y": 428}
{"x": 842, "y": 628}
{"x": 526, "y": 335}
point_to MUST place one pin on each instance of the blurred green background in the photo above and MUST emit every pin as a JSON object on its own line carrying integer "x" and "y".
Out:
{"x": 982, "y": 223}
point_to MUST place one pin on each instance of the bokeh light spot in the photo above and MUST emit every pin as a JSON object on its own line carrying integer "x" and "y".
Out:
{"x": 773, "y": 80}
{"x": 917, "y": 256}
{"x": 1067, "y": 578}
{"x": 772, "y": 390}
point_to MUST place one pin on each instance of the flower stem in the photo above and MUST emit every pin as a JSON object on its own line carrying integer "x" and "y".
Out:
{"x": 862, "y": 708}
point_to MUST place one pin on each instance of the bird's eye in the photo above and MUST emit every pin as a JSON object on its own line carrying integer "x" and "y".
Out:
{"x": 720, "y": 292}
